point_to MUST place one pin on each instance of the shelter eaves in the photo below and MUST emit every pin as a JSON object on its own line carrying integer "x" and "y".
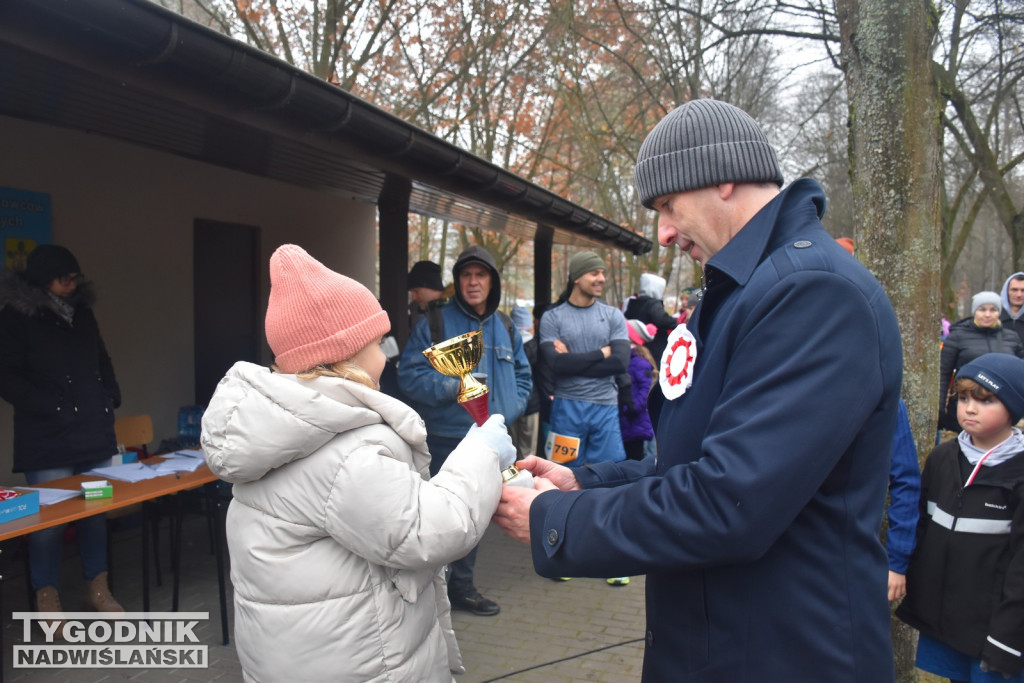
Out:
{"x": 131, "y": 70}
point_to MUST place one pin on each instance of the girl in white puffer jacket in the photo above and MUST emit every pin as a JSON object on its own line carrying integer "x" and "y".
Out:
{"x": 338, "y": 540}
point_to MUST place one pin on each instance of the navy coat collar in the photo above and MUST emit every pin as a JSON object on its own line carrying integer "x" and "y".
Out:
{"x": 767, "y": 229}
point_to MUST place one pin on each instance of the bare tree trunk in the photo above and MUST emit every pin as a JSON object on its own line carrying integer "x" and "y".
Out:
{"x": 894, "y": 157}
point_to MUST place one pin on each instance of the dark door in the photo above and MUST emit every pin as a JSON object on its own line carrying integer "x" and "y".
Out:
{"x": 226, "y": 306}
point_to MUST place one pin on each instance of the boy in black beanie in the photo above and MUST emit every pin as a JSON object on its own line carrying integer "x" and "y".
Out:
{"x": 965, "y": 585}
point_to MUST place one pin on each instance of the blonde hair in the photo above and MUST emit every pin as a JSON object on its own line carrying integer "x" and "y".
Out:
{"x": 344, "y": 369}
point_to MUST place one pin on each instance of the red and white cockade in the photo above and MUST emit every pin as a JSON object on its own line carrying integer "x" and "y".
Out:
{"x": 677, "y": 361}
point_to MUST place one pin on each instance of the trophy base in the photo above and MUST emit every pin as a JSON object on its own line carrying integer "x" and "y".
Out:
{"x": 512, "y": 476}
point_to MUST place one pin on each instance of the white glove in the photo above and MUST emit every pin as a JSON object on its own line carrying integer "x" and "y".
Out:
{"x": 494, "y": 434}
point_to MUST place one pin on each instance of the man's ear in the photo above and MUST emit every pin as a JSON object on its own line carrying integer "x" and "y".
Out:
{"x": 725, "y": 190}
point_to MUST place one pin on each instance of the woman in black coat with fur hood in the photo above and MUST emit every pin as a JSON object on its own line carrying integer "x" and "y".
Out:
{"x": 55, "y": 371}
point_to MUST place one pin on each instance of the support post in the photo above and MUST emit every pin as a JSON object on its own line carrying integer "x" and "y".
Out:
{"x": 542, "y": 247}
{"x": 393, "y": 237}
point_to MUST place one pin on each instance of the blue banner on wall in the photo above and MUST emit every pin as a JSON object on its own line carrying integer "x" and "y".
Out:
{"x": 24, "y": 223}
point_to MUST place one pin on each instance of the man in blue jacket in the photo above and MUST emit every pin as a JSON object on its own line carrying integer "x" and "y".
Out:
{"x": 758, "y": 523}
{"x": 474, "y": 307}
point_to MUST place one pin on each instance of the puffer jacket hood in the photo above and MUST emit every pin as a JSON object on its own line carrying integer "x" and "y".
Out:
{"x": 278, "y": 419}
{"x": 1004, "y": 296}
{"x": 652, "y": 285}
{"x": 476, "y": 254}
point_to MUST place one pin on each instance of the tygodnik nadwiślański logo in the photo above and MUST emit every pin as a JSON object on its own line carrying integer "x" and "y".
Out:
{"x": 108, "y": 640}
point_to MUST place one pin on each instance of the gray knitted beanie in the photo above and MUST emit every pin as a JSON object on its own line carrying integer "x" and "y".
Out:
{"x": 982, "y": 298}
{"x": 700, "y": 144}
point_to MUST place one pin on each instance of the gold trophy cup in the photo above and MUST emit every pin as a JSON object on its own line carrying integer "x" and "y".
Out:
{"x": 456, "y": 357}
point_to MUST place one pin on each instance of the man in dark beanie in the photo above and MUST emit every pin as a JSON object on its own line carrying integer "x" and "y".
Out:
{"x": 757, "y": 525}
{"x": 425, "y": 289}
{"x": 55, "y": 372}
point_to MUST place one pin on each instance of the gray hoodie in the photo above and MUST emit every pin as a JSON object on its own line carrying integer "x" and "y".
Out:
{"x": 1006, "y": 299}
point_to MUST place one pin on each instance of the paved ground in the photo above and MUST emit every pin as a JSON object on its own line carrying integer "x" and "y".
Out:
{"x": 581, "y": 630}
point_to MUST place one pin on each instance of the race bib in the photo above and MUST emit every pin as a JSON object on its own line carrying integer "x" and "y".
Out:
{"x": 562, "y": 448}
{"x": 677, "y": 362}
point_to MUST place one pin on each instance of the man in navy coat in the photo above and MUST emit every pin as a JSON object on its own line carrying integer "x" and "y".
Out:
{"x": 758, "y": 523}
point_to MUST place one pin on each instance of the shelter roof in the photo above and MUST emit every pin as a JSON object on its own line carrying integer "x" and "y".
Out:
{"x": 134, "y": 71}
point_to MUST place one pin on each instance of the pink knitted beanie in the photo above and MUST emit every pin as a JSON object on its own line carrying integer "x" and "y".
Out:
{"x": 315, "y": 315}
{"x": 640, "y": 333}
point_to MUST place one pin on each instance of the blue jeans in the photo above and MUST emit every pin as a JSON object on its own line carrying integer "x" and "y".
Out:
{"x": 460, "y": 572}
{"x": 938, "y": 658}
{"x": 44, "y": 547}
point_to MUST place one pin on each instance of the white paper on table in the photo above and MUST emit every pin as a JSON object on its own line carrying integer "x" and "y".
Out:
{"x": 131, "y": 472}
{"x": 178, "y": 463}
{"x": 191, "y": 453}
{"x": 51, "y": 496}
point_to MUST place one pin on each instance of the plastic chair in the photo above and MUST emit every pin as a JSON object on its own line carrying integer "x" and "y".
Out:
{"x": 207, "y": 501}
{"x": 190, "y": 425}
{"x": 134, "y": 433}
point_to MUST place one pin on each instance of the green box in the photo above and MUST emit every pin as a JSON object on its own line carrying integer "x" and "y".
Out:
{"x": 97, "y": 489}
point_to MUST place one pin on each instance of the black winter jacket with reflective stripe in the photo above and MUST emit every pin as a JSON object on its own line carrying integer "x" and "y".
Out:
{"x": 965, "y": 585}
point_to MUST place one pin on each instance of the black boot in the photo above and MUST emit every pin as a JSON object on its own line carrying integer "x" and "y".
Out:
{"x": 472, "y": 601}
